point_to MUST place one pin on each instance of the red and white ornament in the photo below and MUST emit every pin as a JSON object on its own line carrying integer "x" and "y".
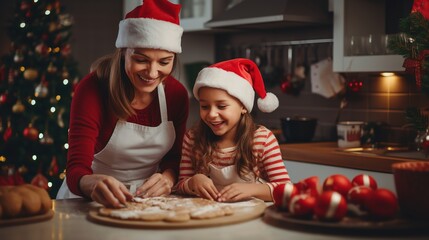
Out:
{"x": 302, "y": 205}
{"x": 382, "y": 204}
{"x": 357, "y": 199}
{"x": 338, "y": 183}
{"x": 364, "y": 180}
{"x": 309, "y": 185}
{"x": 31, "y": 133}
{"x": 283, "y": 193}
{"x": 330, "y": 206}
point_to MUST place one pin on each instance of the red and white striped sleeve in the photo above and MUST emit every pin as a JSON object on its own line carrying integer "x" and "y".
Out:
{"x": 185, "y": 169}
{"x": 272, "y": 164}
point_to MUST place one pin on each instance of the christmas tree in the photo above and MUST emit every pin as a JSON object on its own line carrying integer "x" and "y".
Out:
{"x": 37, "y": 79}
{"x": 413, "y": 43}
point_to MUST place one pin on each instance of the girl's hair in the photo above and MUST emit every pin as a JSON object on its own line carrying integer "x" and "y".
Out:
{"x": 205, "y": 147}
{"x": 111, "y": 68}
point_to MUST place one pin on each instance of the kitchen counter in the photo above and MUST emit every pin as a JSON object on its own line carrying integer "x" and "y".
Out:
{"x": 70, "y": 222}
{"x": 327, "y": 153}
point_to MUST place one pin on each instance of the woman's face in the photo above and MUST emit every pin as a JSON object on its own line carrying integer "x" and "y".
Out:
{"x": 146, "y": 68}
{"x": 220, "y": 111}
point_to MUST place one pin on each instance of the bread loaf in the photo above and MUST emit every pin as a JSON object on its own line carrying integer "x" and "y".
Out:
{"x": 23, "y": 201}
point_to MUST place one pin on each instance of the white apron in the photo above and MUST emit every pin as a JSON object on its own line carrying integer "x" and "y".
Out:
{"x": 223, "y": 176}
{"x": 133, "y": 152}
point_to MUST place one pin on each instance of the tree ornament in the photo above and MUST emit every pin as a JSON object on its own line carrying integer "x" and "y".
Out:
{"x": 53, "y": 167}
{"x": 19, "y": 57}
{"x": 10, "y": 77}
{"x": 63, "y": 175}
{"x": 338, "y": 183}
{"x": 31, "y": 74}
{"x": 4, "y": 98}
{"x": 65, "y": 74}
{"x": 8, "y": 132}
{"x": 42, "y": 49}
{"x": 330, "y": 206}
{"x": 282, "y": 194}
{"x": 18, "y": 107}
{"x": 357, "y": 199}
{"x": 46, "y": 139}
{"x": 309, "y": 186}
{"x": 382, "y": 204}
{"x": 364, "y": 180}
{"x": 60, "y": 120}
{"x": 51, "y": 68}
{"x": 31, "y": 133}
{"x": 24, "y": 5}
{"x": 41, "y": 91}
{"x": 40, "y": 181}
{"x": 302, "y": 206}
{"x": 66, "y": 50}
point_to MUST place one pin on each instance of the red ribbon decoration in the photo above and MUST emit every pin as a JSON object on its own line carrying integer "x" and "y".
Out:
{"x": 421, "y": 6}
{"x": 414, "y": 66}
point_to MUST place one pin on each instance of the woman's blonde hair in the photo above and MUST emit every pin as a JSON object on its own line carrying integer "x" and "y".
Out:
{"x": 111, "y": 68}
{"x": 205, "y": 147}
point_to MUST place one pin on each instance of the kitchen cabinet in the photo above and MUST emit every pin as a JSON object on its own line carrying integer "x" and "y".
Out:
{"x": 194, "y": 13}
{"x": 357, "y": 24}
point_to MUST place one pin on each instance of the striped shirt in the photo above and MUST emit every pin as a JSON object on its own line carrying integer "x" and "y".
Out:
{"x": 270, "y": 167}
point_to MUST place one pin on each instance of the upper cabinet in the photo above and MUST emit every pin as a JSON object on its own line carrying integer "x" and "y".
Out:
{"x": 360, "y": 37}
{"x": 195, "y": 13}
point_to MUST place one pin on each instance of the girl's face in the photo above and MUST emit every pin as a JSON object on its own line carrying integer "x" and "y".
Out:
{"x": 220, "y": 111}
{"x": 146, "y": 68}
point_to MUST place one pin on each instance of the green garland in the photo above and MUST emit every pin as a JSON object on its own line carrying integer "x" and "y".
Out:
{"x": 414, "y": 38}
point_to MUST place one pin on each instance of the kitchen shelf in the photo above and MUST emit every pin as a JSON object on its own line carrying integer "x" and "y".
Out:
{"x": 361, "y": 18}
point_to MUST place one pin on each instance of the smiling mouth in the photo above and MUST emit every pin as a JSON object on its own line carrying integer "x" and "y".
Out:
{"x": 145, "y": 80}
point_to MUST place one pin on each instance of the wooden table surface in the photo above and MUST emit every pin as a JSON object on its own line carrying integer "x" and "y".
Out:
{"x": 327, "y": 153}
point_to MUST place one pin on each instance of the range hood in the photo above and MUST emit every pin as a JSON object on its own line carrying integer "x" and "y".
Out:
{"x": 273, "y": 13}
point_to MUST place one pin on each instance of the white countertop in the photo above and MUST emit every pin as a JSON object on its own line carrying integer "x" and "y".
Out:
{"x": 70, "y": 222}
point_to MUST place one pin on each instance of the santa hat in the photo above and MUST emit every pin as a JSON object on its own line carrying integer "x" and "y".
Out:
{"x": 154, "y": 24}
{"x": 241, "y": 78}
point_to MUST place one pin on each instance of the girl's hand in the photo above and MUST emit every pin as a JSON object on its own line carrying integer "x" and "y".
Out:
{"x": 236, "y": 192}
{"x": 203, "y": 186}
{"x": 105, "y": 190}
{"x": 157, "y": 185}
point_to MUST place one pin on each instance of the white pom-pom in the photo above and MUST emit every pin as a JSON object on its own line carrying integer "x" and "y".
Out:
{"x": 269, "y": 103}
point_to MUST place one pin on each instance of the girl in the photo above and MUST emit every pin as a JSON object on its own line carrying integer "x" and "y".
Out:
{"x": 128, "y": 116}
{"x": 226, "y": 157}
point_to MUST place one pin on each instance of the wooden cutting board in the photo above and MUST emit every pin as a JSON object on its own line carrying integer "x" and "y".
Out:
{"x": 243, "y": 211}
{"x": 349, "y": 225}
{"x": 24, "y": 220}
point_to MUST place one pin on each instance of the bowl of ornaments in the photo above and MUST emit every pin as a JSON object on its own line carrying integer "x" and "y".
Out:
{"x": 339, "y": 205}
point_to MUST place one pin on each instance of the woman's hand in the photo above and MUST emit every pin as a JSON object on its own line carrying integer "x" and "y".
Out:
{"x": 105, "y": 190}
{"x": 157, "y": 185}
{"x": 203, "y": 186}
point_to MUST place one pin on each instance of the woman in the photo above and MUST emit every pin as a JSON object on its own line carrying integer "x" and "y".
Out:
{"x": 128, "y": 117}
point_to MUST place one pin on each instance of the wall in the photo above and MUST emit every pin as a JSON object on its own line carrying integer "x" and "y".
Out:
{"x": 381, "y": 99}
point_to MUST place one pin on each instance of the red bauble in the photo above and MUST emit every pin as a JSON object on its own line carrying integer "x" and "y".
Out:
{"x": 40, "y": 181}
{"x": 382, "y": 204}
{"x": 302, "y": 205}
{"x": 357, "y": 199}
{"x": 31, "y": 133}
{"x": 3, "y": 99}
{"x": 309, "y": 185}
{"x": 330, "y": 206}
{"x": 338, "y": 183}
{"x": 364, "y": 180}
{"x": 282, "y": 195}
